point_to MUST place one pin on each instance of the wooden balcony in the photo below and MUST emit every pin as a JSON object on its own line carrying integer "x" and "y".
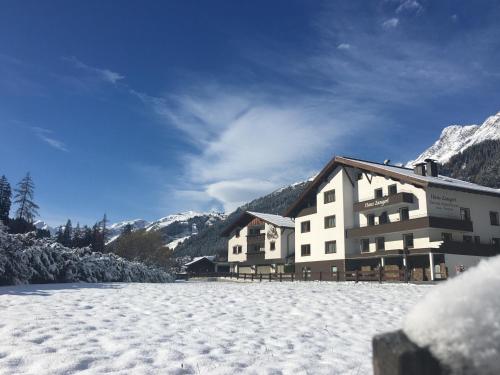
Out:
{"x": 410, "y": 225}
{"x": 388, "y": 200}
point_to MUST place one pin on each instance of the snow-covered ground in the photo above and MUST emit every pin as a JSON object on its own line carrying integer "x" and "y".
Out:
{"x": 197, "y": 328}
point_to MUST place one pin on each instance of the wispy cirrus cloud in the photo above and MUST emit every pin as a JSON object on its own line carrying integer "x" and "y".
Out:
{"x": 391, "y": 23}
{"x": 46, "y": 135}
{"x": 251, "y": 142}
{"x": 105, "y": 75}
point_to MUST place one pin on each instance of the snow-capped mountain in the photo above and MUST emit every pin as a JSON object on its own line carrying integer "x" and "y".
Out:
{"x": 40, "y": 224}
{"x": 114, "y": 230}
{"x": 184, "y": 217}
{"x": 456, "y": 138}
{"x": 174, "y": 228}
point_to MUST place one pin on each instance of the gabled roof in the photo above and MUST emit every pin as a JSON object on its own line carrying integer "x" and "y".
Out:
{"x": 211, "y": 258}
{"x": 403, "y": 174}
{"x": 247, "y": 216}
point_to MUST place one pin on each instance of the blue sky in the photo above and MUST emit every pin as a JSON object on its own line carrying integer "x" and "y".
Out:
{"x": 144, "y": 108}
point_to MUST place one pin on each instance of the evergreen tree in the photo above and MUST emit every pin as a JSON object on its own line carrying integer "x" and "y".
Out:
{"x": 104, "y": 230}
{"x": 27, "y": 208}
{"x": 67, "y": 234}
{"x": 127, "y": 229}
{"x": 86, "y": 236}
{"x": 59, "y": 235}
{"x": 5, "y": 199}
{"x": 76, "y": 241}
{"x": 97, "y": 242}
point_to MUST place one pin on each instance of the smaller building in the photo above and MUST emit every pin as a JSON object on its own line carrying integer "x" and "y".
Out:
{"x": 206, "y": 264}
{"x": 261, "y": 243}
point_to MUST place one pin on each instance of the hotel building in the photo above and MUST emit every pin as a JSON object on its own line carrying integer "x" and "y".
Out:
{"x": 361, "y": 215}
{"x": 260, "y": 243}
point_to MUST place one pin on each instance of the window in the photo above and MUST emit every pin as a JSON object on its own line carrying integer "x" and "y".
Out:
{"x": 371, "y": 219}
{"x": 393, "y": 189}
{"x": 477, "y": 240}
{"x": 404, "y": 213}
{"x": 305, "y": 226}
{"x": 330, "y": 221}
{"x": 465, "y": 213}
{"x": 383, "y": 218}
{"x": 467, "y": 239}
{"x": 380, "y": 241}
{"x": 240, "y": 249}
{"x": 379, "y": 193}
{"x": 272, "y": 245}
{"x": 365, "y": 245}
{"x": 330, "y": 247}
{"x": 305, "y": 250}
{"x": 334, "y": 269}
{"x": 235, "y": 249}
{"x": 496, "y": 243}
{"x": 329, "y": 196}
{"x": 494, "y": 218}
{"x": 446, "y": 237}
{"x": 408, "y": 240}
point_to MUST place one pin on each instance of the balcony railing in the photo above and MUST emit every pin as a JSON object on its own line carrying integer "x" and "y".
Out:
{"x": 411, "y": 224}
{"x": 384, "y": 201}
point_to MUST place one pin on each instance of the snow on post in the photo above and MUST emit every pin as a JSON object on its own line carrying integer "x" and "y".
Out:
{"x": 459, "y": 321}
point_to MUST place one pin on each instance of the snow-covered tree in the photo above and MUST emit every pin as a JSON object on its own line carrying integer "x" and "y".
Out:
{"x": 5, "y": 199}
{"x": 25, "y": 192}
{"x": 67, "y": 234}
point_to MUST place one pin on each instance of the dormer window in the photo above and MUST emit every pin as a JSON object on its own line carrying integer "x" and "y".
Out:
{"x": 237, "y": 233}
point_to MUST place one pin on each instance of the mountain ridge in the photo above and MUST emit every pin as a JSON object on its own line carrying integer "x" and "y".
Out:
{"x": 455, "y": 139}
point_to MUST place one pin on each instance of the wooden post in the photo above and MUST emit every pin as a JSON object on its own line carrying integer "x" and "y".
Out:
{"x": 281, "y": 275}
{"x": 406, "y": 274}
{"x": 337, "y": 276}
{"x": 320, "y": 276}
{"x": 356, "y": 276}
{"x": 244, "y": 276}
{"x": 293, "y": 276}
{"x": 260, "y": 277}
{"x": 252, "y": 276}
{"x": 380, "y": 270}
{"x": 269, "y": 277}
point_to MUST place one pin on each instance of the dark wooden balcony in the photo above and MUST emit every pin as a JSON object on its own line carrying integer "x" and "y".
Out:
{"x": 388, "y": 200}
{"x": 410, "y": 225}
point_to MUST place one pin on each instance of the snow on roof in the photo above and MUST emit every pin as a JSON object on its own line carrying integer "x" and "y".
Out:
{"x": 197, "y": 259}
{"x": 458, "y": 320}
{"x": 439, "y": 180}
{"x": 279, "y": 221}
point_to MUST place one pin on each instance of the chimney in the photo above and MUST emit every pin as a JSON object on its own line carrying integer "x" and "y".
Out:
{"x": 419, "y": 169}
{"x": 431, "y": 167}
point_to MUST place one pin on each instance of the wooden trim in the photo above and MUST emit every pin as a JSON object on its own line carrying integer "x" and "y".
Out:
{"x": 348, "y": 176}
{"x": 308, "y": 211}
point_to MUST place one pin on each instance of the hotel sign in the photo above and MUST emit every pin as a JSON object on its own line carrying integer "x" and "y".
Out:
{"x": 384, "y": 201}
{"x": 376, "y": 203}
{"x": 443, "y": 202}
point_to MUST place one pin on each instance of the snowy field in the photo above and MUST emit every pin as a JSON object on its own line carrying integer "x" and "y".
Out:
{"x": 198, "y": 328}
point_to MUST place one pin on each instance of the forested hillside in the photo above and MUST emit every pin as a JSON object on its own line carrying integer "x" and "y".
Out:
{"x": 479, "y": 164}
{"x": 208, "y": 240}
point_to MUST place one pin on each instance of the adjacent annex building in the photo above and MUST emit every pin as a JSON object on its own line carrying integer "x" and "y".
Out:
{"x": 260, "y": 243}
{"x": 361, "y": 215}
